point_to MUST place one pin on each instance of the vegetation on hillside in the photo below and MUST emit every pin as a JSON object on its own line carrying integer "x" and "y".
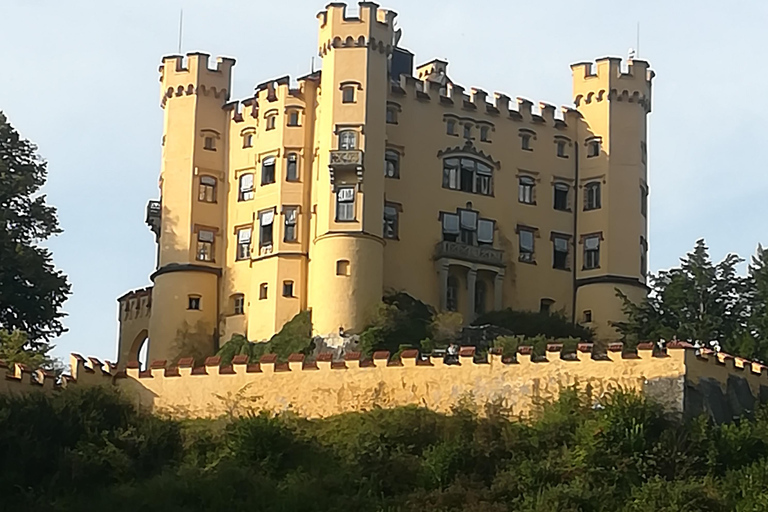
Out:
{"x": 86, "y": 447}
{"x": 294, "y": 337}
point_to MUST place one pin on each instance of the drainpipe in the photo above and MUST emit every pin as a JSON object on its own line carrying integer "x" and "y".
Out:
{"x": 576, "y": 203}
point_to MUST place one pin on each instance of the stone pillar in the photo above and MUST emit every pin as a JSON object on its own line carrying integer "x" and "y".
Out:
{"x": 471, "y": 285}
{"x": 498, "y": 290}
{"x": 442, "y": 268}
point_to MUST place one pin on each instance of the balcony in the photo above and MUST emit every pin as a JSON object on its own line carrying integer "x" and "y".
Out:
{"x": 346, "y": 158}
{"x": 474, "y": 253}
{"x": 154, "y": 213}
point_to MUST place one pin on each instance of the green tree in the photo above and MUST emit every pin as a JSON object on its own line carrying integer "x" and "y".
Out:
{"x": 14, "y": 348}
{"x": 32, "y": 291}
{"x": 757, "y": 284}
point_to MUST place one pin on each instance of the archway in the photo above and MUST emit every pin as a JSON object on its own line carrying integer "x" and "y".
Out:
{"x": 140, "y": 349}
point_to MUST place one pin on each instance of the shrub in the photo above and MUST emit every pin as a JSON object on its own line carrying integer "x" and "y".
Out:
{"x": 531, "y": 324}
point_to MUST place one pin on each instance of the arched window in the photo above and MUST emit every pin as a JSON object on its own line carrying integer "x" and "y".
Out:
{"x": 347, "y": 140}
{"x": 392, "y": 164}
{"x": 452, "y": 298}
{"x": 592, "y": 196}
{"x": 245, "y": 190}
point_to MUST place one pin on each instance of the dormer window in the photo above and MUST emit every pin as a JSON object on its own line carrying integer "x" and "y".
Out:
{"x": 348, "y": 94}
{"x": 347, "y": 140}
{"x": 593, "y": 148}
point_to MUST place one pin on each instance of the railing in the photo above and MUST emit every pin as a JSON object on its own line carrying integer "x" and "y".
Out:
{"x": 475, "y": 253}
{"x": 154, "y": 213}
{"x": 344, "y": 157}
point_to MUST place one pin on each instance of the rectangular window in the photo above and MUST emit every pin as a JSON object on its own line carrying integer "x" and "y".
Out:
{"x": 451, "y": 173}
{"x": 209, "y": 143}
{"x": 205, "y": 245}
{"x": 483, "y": 179}
{"x": 592, "y": 196}
{"x": 207, "y": 191}
{"x": 468, "y": 227}
{"x": 289, "y": 234}
{"x": 345, "y": 204}
{"x": 484, "y": 131}
{"x": 292, "y": 170}
{"x": 643, "y": 256}
{"x": 243, "y": 244}
{"x": 560, "y": 252}
{"x": 248, "y": 140}
{"x": 268, "y": 171}
{"x": 592, "y": 252}
{"x": 245, "y": 192}
{"x": 593, "y": 148}
{"x": 525, "y": 190}
{"x": 468, "y": 175}
{"x": 587, "y": 315}
{"x": 263, "y": 291}
{"x": 271, "y": 121}
{"x": 287, "y": 288}
{"x": 526, "y": 237}
{"x": 193, "y": 302}
{"x": 525, "y": 142}
{"x": 391, "y": 164}
{"x": 450, "y": 127}
{"x": 390, "y": 222}
{"x": 266, "y": 225}
{"x": 561, "y": 149}
{"x": 348, "y": 94}
{"x": 391, "y": 115}
{"x": 561, "y": 197}
{"x": 643, "y": 152}
{"x": 293, "y": 118}
{"x": 644, "y": 201}
{"x": 485, "y": 232}
{"x": 238, "y": 304}
{"x": 450, "y": 227}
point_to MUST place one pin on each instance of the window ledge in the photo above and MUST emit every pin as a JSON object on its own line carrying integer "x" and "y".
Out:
{"x": 592, "y": 209}
{"x": 566, "y": 269}
{"x": 566, "y": 210}
{"x": 527, "y": 149}
{"x": 591, "y": 268}
{"x": 532, "y": 262}
{"x": 529, "y": 204}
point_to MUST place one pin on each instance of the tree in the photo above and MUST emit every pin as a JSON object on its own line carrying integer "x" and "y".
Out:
{"x": 32, "y": 291}
{"x": 14, "y": 348}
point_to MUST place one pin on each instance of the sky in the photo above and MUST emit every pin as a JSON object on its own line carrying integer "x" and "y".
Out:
{"x": 79, "y": 78}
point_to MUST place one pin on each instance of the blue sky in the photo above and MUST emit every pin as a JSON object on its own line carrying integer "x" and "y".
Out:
{"x": 79, "y": 78}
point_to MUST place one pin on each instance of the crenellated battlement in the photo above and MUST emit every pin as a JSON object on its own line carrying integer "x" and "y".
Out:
{"x": 372, "y": 28}
{"x": 135, "y": 304}
{"x": 608, "y": 80}
{"x": 180, "y": 76}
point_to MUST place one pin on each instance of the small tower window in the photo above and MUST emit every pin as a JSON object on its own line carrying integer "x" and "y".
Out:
{"x": 561, "y": 149}
{"x": 587, "y": 316}
{"x": 592, "y": 196}
{"x": 644, "y": 201}
{"x": 450, "y": 127}
{"x": 263, "y": 291}
{"x": 593, "y": 148}
{"x": 391, "y": 221}
{"x": 209, "y": 143}
{"x": 525, "y": 190}
{"x": 525, "y": 142}
{"x": 348, "y": 94}
{"x": 243, "y": 244}
{"x": 643, "y": 256}
{"x": 268, "y": 171}
{"x": 271, "y": 121}
{"x": 485, "y": 133}
{"x": 342, "y": 268}
{"x": 345, "y": 204}
{"x": 392, "y": 114}
{"x": 561, "y": 197}
{"x": 205, "y": 245}
{"x": 207, "y": 190}
{"x": 545, "y": 306}
{"x": 248, "y": 140}
{"x": 238, "y": 304}
{"x": 287, "y": 288}
{"x": 292, "y": 168}
{"x": 392, "y": 164}
{"x": 592, "y": 252}
{"x": 193, "y": 302}
{"x": 245, "y": 192}
{"x": 289, "y": 233}
{"x": 293, "y": 118}
{"x": 347, "y": 140}
{"x": 467, "y": 131}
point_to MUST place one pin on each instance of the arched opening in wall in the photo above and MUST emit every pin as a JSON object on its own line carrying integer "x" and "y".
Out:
{"x": 140, "y": 349}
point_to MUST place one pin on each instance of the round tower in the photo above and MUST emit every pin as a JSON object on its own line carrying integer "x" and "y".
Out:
{"x": 346, "y": 254}
{"x": 192, "y": 186}
{"x": 612, "y": 222}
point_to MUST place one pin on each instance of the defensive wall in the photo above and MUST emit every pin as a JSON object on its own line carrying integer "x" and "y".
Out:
{"x": 682, "y": 378}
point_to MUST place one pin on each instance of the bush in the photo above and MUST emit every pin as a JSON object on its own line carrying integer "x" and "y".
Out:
{"x": 294, "y": 337}
{"x": 532, "y": 324}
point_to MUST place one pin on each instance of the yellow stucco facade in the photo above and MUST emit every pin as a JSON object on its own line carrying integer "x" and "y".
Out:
{"x": 372, "y": 175}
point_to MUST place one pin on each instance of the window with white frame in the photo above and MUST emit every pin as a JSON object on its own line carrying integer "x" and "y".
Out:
{"x": 526, "y": 241}
{"x": 289, "y": 231}
{"x": 266, "y": 228}
{"x": 205, "y": 245}
{"x": 468, "y": 175}
{"x": 592, "y": 196}
{"x": 245, "y": 190}
{"x": 485, "y": 229}
{"x": 347, "y": 140}
{"x": 345, "y": 204}
{"x": 292, "y": 167}
{"x": 525, "y": 190}
{"x": 243, "y": 244}
{"x": 391, "y": 221}
{"x": 268, "y": 170}
{"x": 207, "y": 190}
{"x": 592, "y": 252}
{"x": 238, "y": 304}
{"x": 391, "y": 164}
{"x": 560, "y": 246}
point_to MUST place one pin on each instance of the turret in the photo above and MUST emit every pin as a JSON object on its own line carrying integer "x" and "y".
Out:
{"x": 346, "y": 256}
{"x": 192, "y": 217}
{"x": 613, "y": 186}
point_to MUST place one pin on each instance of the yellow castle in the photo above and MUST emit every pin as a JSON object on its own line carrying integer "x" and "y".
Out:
{"x": 370, "y": 175}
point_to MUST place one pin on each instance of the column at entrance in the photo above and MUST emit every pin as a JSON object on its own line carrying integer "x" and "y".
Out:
{"x": 471, "y": 290}
{"x": 442, "y": 269}
{"x": 498, "y": 289}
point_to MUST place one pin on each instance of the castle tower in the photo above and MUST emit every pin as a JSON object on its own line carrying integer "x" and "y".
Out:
{"x": 612, "y": 183}
{"x": 346, "y": 255}
{"x": 192, "y": 230}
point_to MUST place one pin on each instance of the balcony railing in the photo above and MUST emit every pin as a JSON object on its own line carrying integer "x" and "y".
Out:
{"x": 474, "y": 253}
{"x": 154, "y": 214}
{"x": 346, "y": 158}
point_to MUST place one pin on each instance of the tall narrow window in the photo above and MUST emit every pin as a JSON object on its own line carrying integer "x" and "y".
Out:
{"x": 287, "y": 288}
{"x": 345, "y": 204}
{"x": 266, "y": 228}
{"x": 525, "y": 190}
{"x": 209, "y": 143}
{"x": 238, "y": 304}
{"x": 561, "y": 149}
{"x": 268, "y": 171}
{"x": 480, "y": 293}
{"x": 525, "y": 142}
{"x": 592, "y": 196}
{"x": 347, "y": 140}
{"x": 271, "y": 121}
{"x": 593, "y": 148}
{"x": 292, "y": 168}
{"x": 248, "y": 140}
{"x": 243, "y": 244}
{"x": 468, "y": 227}
{"x": 450, "y": 127}
{"x": 560, "y": 252}
{"x": 391, "y": 114}
{"x": 263, "y": 291}
{"x": 390, "y": 222}
{"x": 467, "y": 131}
{"x": 205, "y": 245}
{"x": 483, "y": 179}
{"x": 485, "y": 134}
{"x": 485, "y": 232}
{"x": 348, "y": 94}
{"x": 207, "y": 191}
{"x": 392, "y": 164}
{"x": 561, "y": 197}
{"x": 526, "y": 240}
{"x": 587, "y": 316}
{"x": 451, "y": 173}
{"x": 643, "y": 152}
{"x": 592, "y": 252}
{"x": 644, "y": 201}
{"x": 545, "y": 306}
{"x": 293, "y": 118}
{"x": 450, "y": 227}
{"x": 452, "y": 298}
{"x": 643, "y": 256}
{"x": 289, "y": 234}
{"x": 245, "y": 192}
